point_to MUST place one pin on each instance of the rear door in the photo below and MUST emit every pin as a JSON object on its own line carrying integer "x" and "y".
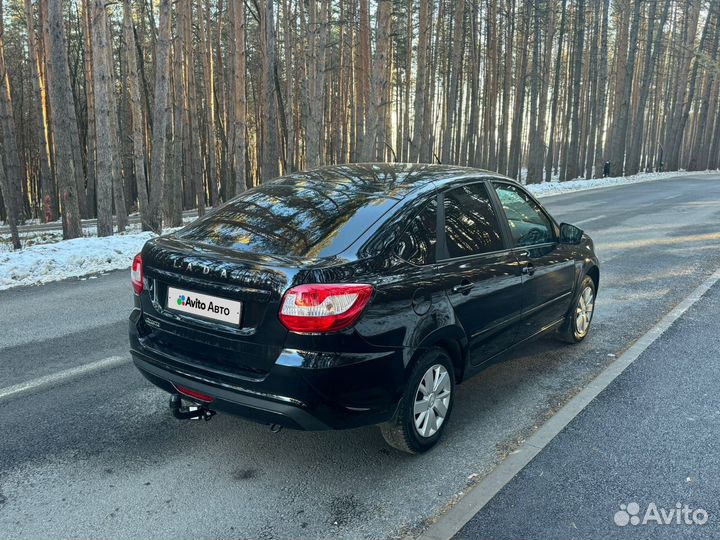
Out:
{"x": 548, "y": 269}
{"x": 478, "y": 270}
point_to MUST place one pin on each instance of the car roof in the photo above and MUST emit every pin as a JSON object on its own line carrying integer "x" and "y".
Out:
{"x": 395, "y": 180}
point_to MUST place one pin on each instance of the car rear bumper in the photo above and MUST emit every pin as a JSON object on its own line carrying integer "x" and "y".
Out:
{"x": 363, "y": 392}
{"x": 265, "y": 409}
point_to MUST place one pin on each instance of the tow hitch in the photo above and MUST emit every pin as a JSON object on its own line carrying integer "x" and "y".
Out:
{"x": 189, "y": 412}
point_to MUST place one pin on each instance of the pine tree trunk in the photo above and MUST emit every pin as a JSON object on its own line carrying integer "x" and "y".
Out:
{"x": 173, "y": 199}
{"x": 430, "y": 111}
{"x": 107, "y": 153}
{"x": 62, "y": 108}
{"x": 548, "y": 39}
{"x": 375, "y": 140}
{"x": 714, "y": 160}
{"x": 549, "y": 158}
{"x": 472, "y": 134}
{"x": 600, "y": 102}
{"x": 39, "y": 125}
{"x": 10, "y": 210}
{"x": 620, "y": 71}
{"x": 652, "y": 50}
{"x": 700, "y": 155}
{"x": 592, "y": 111}
{"x": 451, "y": 99}
{"x": 421, "y": 83}
{"x": 193, "y": 102}
{"x": 535, "y": 159}
{"x": 136, "y": 115}
{"x": 518, "y": 114}
{"x": 362, "y": 79}
{"x": 289, "y": 30}
{"x": 46, "y": 77}
{"x": 316, "y": 30}
{"x": 7, "y": 167}
{"x": 404, "y": 148}
{"x": 90, "y": 137}
{"x": 239, "y": 100}
{"x": 712, "y": 52}
{"x": 487, "y": 156}
{"x": 158, "y": 178}
{"x": 573, "y": 149}
{"x": 622, "y": 105}
{"x": 507, "y": 86}
{"x": 13, "y": 167}
{"x": 210, "y": 106}
{"x": 676, "y": 124}
{"x": 269, "y": 98}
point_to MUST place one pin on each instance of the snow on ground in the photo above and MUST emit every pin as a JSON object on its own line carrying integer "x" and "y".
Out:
{"x": 43, "y": 263}
{"x": 547, "y": 189}
{"x": 34, "y": 238}
{"x": 45, "y": 257}
{"x": 56, "y": 259}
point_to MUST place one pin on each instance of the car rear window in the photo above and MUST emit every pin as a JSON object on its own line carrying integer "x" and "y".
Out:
{"x": 291, "y": 218}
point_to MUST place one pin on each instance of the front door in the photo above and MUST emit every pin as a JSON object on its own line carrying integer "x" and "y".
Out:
{"x": 548, "y": 268}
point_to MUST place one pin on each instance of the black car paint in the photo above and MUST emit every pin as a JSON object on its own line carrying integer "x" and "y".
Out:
{"x": 354, "y": 377}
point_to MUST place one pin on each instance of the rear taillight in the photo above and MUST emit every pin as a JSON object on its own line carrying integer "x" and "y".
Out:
{"x": 324, "y": 307}
{"x": 136, "y": 274}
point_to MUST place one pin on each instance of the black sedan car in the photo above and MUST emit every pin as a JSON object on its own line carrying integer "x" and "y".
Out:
{"x": 355, "y": 295}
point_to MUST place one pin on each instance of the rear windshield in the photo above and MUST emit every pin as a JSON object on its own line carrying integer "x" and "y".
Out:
{"x": 296, "y": 218}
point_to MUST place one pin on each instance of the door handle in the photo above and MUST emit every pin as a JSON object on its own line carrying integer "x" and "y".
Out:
{"x": 465, "y": 287}
{"x": 528, "y": 269}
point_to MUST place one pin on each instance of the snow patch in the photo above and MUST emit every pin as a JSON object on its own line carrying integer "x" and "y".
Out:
{"x": 547, "y": 189}
{"x": 43, "y": 263}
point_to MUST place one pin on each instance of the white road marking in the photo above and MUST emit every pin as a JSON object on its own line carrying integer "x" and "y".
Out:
{"x": 588, "y": 220}
{"x": 673, "y": 196}
{"x": 62, "y": 376}
{"x": 448, "y": 525}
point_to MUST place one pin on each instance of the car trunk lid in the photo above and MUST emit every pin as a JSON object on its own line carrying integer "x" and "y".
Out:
{"x": 247, "y": 349}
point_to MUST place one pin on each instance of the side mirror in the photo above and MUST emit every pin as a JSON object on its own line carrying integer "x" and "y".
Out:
{"x": 570, "y": 234}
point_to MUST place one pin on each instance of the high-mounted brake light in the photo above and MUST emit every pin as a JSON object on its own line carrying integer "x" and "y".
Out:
{"x": 324, "y": 307}
{"x": 136, "y": 274}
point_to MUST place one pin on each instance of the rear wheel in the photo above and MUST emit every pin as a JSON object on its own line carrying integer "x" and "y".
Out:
{"x": 425, "y": 406}
{"x": 581, "y": 314}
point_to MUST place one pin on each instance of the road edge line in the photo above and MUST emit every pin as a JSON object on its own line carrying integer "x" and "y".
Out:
{"x": 61, "y": 376}
{"x": 450, "y": 523}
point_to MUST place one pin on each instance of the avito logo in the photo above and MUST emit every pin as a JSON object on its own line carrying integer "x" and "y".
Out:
{"x": 189, "y": 302}
{"x": 629, "y": 514}
{"x": 196, "y": 303}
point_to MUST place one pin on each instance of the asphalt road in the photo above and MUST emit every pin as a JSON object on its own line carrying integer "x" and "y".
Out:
{"x": 650, "y": 438}
{"x": 99, "y": 455}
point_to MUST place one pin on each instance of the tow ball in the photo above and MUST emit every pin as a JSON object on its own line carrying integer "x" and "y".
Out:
{"x": 188, "y": 412}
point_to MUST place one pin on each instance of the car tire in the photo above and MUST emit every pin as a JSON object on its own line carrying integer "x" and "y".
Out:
{"x": 410, "y": 431}
{"x": 581, "y": 313}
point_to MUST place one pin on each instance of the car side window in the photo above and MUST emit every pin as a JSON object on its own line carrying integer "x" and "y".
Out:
{"x": 417, "y": 243}
{"x": 471, "y": 226}
{"x": 528, "y": 223}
